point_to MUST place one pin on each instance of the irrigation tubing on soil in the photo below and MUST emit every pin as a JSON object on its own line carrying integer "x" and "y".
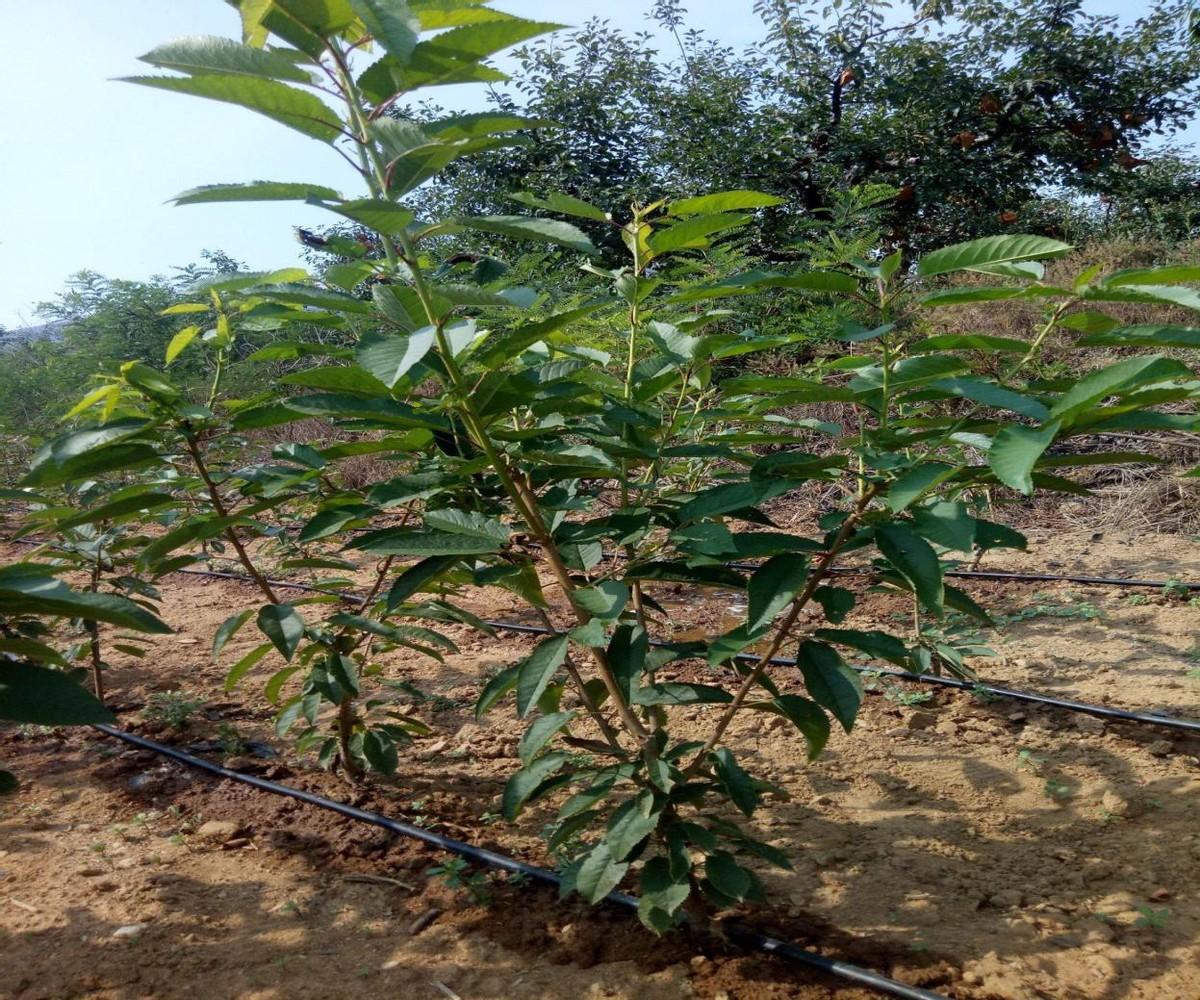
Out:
{"x": 741, "y": 935}
{"x": 1100, "y": 711}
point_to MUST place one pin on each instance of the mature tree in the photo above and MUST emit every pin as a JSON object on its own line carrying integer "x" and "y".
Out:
{"x": 972, "y": 112}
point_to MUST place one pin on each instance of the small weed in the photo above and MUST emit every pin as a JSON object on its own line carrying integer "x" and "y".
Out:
{"x": 457, "y": 874}
{"x": 1027, "y": 760}
{"x": 908, "y": 699}
{"x": 490, "y": 818}
{"x": 1058, "y": 791}
{"x": 100, "y": 847}
{"x": 981, "y": 694}
{"x": 178, "y": 839}
{"x": 171, "y": 708}
{"x": 1075, "y": 610}
{"x": 230, "y": 739}
{"x": 1136, "y": 600}
{"x": 1176, "y": 590}
{"x": 1152, "y": 919}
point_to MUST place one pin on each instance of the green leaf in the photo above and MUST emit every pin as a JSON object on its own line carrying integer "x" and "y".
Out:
{"x": 680, "y": 693}
{"x": 46, "y": 697}
{"x": 915, "y": 560}
{"x": 416, "y": 577}
{"x": 772, "y": 587}
{"x": 255, "y": 191}
{"x": 228, "y": 629}
{"x": 606, "y": 600}
{"x": 805, "y": 716}
{"x": 393, "y": 26}
{"x": 661, "y": 894}
{"x": 693, "y": 233}
{"x": 540, "y": 732}
{"x": 297, "y": 109}
{"x": 281, "y": 624}
{"x": 875, "y": 644}
{"x": 245, "y": 664}
{"x": 32, "y": 593}
{"x": 380, "y": 751}
{"x": 914, "y": 482}
{"x": 969, "y": 342}
{"x": 213, "y": 54}
{"x": 117, "y": 508}
{"x": 99, "y": 462}
{"x": 728, "y": 877}
{"x": 732, "y": 497}
{"x": 536, "y": 670}
{"x": 469, "y": 523}
{"x": 599, "y": 874}
{"x": 736, "y": 783}
{"x": 1131, "y": 372}
{"x": 988, "y": 393}
{"x": 1144, "y": 336}
{"x": 632, "y": 823}
{"x": 1154, "y": 275}
{"x": 990, "y": 250}
{"x": 389, "y": 358}
{"x": 524, "y": 228}
{"x": 385, "y": 217}
{"x": 526, "y": 781}
{"x": 563, "y": 204}
{"x": 946, "y": 523}
{"x": 180, "y": 341}
{"x": 832, "y": 684}
{"x": 495, "y": 689}
{"x": 627, "y": 657}
{"x": 412, "y": 542}
{"x": 723, "y": 201}
{"x": 1015, "y": 451}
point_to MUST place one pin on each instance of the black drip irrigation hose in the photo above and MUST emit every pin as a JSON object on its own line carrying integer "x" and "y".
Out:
{"x": 741, "y": 935}
{"x": 1100, "y": 711}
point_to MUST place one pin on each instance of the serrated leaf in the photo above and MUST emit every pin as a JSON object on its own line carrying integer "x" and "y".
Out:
{"x": 990, "y": 250}
{"x": 772, "y": 587}
{"x": 915, "y": 560}
{"x": 1015, "y": 451}
{"x": 605, "y": 600}
{"x": 564, "y": 204}
{"x": 832, "y": 684}
{"x": 536, "y": 670}
{"x": 228, "y": 629}
{"x": 283, "y": 626}
{"x": 737, "y": 784}
{"x": 180, "y": 341}
{"x": 524, "y": 228}
{"x": 46, "y": 697}
{"x": 392, "y": 25}
{"x": 723, "y": 201}
{"x": 245, "y": 664}
{"x": 525, "y": 782}
{"x": 390, "y": 358}
{"x": 214, "y": 54}
{"x": 540, "y": 732}
{"x": 599, "y": 874}
{"x": 297, "y": 109}
{"x": 254, "y": 191}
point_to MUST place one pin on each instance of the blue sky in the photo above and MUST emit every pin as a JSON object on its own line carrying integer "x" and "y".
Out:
{"x": 90, "y": 162}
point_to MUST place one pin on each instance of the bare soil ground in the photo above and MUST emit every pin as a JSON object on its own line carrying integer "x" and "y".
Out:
{"x": 981, "y": 848}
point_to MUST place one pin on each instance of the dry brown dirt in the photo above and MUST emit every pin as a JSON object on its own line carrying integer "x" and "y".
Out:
{"x": 987, "y": 850}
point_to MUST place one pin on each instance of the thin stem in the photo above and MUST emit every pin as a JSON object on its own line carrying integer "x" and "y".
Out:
{"x": 93, "y": 630}
{"x": 218, "y": 505}
{"x": 820, "y": 571}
